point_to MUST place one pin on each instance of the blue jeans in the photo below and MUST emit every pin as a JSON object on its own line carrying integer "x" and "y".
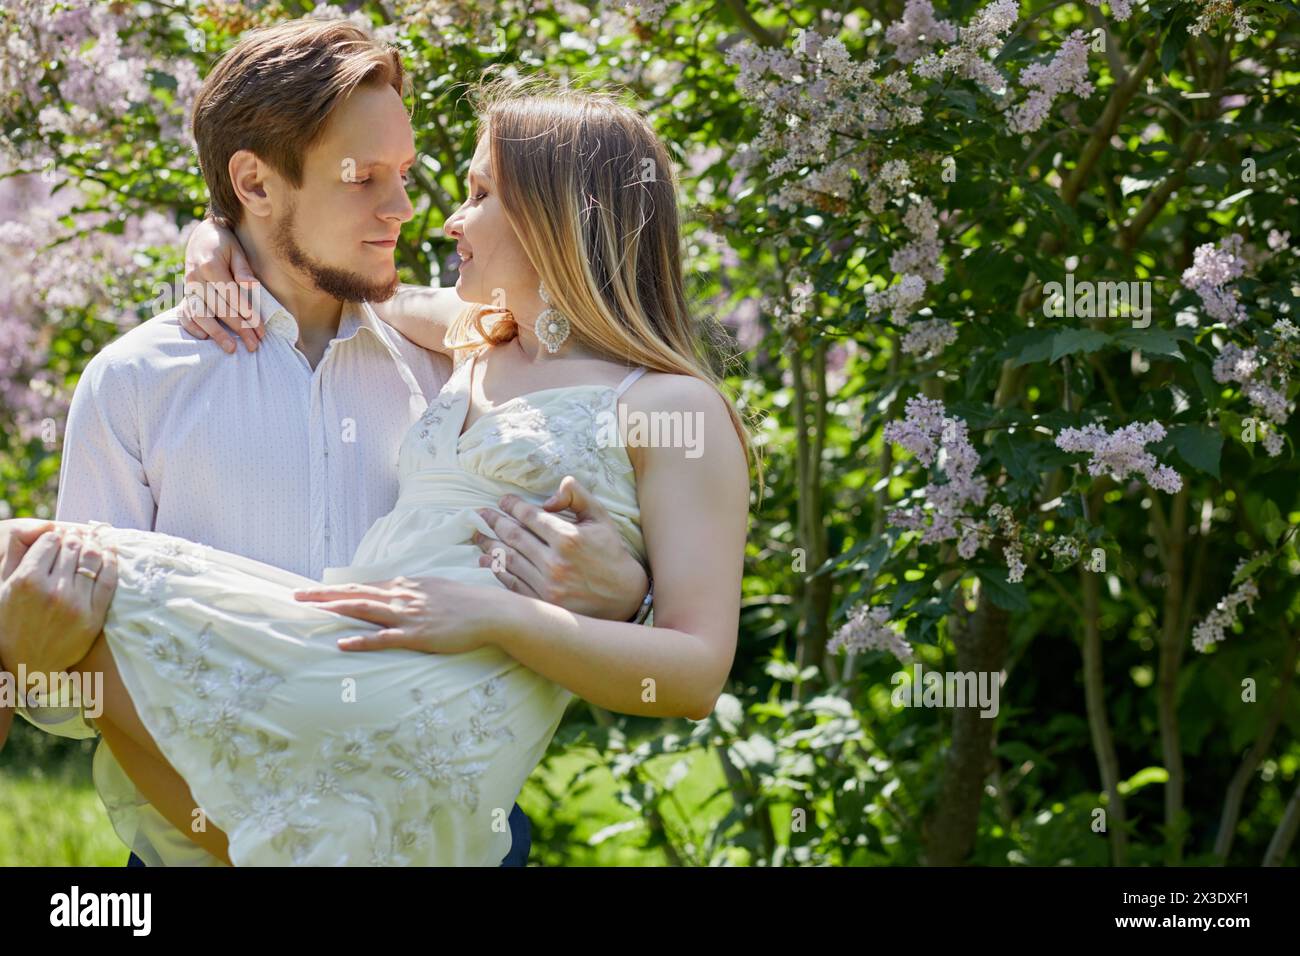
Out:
{"x": 521, "y": 841}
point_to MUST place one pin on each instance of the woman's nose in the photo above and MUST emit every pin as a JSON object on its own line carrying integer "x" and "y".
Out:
{"x": 452, "y": 227}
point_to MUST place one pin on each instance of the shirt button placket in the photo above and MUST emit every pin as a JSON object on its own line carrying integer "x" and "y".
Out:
{"x": 319, "y": 477}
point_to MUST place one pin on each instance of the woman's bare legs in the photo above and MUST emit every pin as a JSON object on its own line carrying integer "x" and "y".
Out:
{"x": 138, "y": 754}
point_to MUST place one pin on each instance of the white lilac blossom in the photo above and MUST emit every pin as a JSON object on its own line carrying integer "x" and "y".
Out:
{"x": 1213, "y": 267}
{"x": 918, "y": 31}
{"x": 1065, "y": 549}
{"x": 1235, "y": 364}
{"x": 916, "y": 262}
{"x": 329, "y": 11}
{"x": 920, "y": 431}
{"x": 812, "y": 99}
{"x": 60, "y": 261}
{"x": 1015, "y": 563}
{"x": 1004, "y": 519}
{"x": 927, "y": 339}
{"x": 921, "y": 255}
{"x": 1277, "y": 241}
{"x": 869, "y": 629}
{"x": 647, "y": 11}
{"x": 1121, "y": 453}
{"x": 974, "y": 537}
{"x": 890, "y": 182}
{"x": 1066, "y": 73}
{"x": 894, "y": 174}
{"x": 1120, "y": 9}
{"x": 1214, "y": 627}
{"x": 1212, "y": 10}
{"x": 1263, "y": 382}
{"x": 981, "y": 37}
{"x": 936, "y": 439}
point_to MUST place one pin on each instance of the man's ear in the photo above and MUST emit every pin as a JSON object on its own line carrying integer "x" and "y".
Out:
{"x": 248, "y": 176}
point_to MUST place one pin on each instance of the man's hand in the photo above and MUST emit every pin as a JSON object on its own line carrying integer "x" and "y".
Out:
{"x": 49, "y": 614}
{"x": 585, "y": 567}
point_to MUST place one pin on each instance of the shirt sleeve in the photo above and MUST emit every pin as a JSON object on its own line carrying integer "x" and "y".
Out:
{"x": 101, "y": 478}
{"x": 102, "y": 475}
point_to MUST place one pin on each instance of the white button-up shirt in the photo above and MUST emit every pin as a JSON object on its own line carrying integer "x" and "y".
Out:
{"x": 254, "y": 453}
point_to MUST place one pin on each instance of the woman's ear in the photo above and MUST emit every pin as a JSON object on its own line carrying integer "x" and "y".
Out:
{"x": 248, "y": 178}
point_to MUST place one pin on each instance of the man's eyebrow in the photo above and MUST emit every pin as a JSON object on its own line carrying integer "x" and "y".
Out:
{"x": 379, "y": 162}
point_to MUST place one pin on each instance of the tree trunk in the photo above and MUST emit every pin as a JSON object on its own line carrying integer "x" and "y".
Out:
{"x": 1103, "y": 740}
{"x": 1246, "y": 771}
{"x": 1285, "y": 833}
{"x": 1172, "y": 641}
{"x": 949, "y": 831}
{"x": 810, "y": 417}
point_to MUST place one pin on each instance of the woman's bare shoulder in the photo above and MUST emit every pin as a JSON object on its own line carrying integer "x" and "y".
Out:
{"x": 673, "y": 391}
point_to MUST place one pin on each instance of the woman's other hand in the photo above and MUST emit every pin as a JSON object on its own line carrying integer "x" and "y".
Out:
{"x": 429, "y": 614}
{"x": 218, "y": 286}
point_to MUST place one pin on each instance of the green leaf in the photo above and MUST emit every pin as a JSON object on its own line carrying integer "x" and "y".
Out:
{"x": 1205, "y": 380}
{"x": 1077, "y": 340}
{"x": 1015, "y": 452}
{"x": 1143, "y": 777}
{"x": 1271, "y": 519}
{"x": 1200, "y": 446}
{"x": 1252, "y": 567}
{"x": 1034, "y": 346}
{"x": 1049, "y": 198}
{"x": 1230, "y": 424}
{"x": 1151, "y": 341}
{"x": 1010, "y": 596}
{"x": 1211, "y": 174}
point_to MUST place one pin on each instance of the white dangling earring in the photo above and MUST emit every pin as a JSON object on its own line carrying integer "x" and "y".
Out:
{"x": 552, "y": 326}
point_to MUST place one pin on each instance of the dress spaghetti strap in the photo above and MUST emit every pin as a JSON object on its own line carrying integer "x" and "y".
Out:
{"x": 632, "y": 376}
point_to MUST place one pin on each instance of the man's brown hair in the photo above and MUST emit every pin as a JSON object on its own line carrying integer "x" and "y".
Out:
{"x": 273, "y": 92}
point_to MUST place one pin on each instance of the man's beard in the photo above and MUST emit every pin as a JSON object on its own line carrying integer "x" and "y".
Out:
{"x": 339, "y": 283}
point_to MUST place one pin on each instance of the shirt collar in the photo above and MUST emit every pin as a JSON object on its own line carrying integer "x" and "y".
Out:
{"x": 354, "y": 317}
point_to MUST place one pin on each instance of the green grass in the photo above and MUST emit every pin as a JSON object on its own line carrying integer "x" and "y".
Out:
{"x": 54, "y": 821}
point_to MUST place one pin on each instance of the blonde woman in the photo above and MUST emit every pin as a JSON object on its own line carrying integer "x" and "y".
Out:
{"x": 225, "y": 686}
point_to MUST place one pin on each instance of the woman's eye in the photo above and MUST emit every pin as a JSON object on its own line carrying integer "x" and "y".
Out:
{"x": 480, "y": 197}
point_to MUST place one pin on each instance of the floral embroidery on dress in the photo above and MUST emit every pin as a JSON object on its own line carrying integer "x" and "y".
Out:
{"x": 575, "y": 446}
{"x": 222, "y": 699}
{"x": 423, "y": 751}
{"x": 511, "y": 428}
{"x": 426, "y": 758}
{"x": 432, "y": 418}
{"x": 157, "y": 562}
{"x": 278, "y": 811}
{"x": 567, "y": 438}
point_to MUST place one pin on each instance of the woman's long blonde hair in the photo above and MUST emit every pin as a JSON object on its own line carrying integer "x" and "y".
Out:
{"x": 592, "y": 195}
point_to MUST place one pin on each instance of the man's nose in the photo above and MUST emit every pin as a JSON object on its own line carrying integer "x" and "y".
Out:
{"x": 400, "y": 207}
